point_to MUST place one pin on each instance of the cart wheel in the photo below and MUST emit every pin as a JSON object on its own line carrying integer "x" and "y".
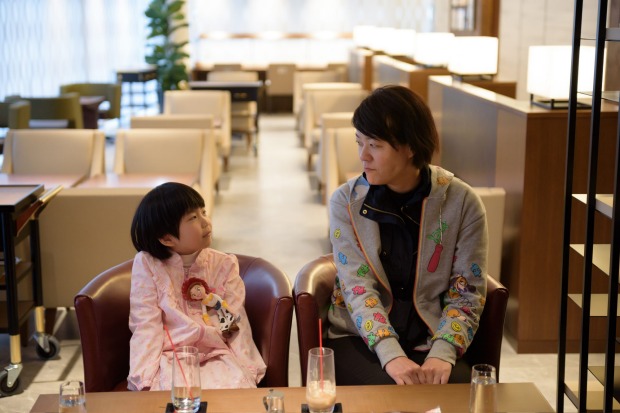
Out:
{"x": 53, "y": 351}
{"x": 5, "y": 390}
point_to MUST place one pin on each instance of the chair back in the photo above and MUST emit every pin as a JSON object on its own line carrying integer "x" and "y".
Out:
{"x": 102, "y": 309}
{"x": 168, "y": 151}
{"x": 110, "y": 91}
{"x": 280, "y": 79}
{"x": 15, "y": 114}
{"x": 312, "y": 292}
{"x": 54, "y": 151}
{"x": 65, "y": 107}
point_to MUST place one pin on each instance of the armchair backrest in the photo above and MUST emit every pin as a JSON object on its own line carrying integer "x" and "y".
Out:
{"x": 54, "y": 151}
{"x": 168, "y": 151}
{"x": 15, "y": 114}
{"x": 312, "y": 292}
{"x": 341, "y": 158}
{"x": 102, "y": 309}
{"x": 300, "y": 78}
{"x": 64, "y": 107}
{"x": 111, "y": 92}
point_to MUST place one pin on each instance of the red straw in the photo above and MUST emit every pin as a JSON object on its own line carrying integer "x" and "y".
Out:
{"x": 321, "y": 351}
{"x": 176, "y": 357}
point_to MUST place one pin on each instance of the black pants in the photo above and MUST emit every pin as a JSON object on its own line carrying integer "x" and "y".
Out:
{"x": 356, "y": 365}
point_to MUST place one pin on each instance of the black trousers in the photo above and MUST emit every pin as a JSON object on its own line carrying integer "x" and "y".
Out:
{"x": 356, "y": 365}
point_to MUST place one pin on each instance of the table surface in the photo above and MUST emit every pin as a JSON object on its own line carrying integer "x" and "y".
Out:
{"x": 47, "y": 180}
{"x": 111, "y": 180}
{"x": 14, "y": 198}
{"x": 512, "y": 397}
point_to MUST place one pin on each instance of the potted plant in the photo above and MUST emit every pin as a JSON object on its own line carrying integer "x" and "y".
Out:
{"x": 165, "y": 17}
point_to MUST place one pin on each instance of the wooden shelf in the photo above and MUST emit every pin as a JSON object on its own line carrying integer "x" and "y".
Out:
{"x": 598, "y": 304}
{"x": 601, "y": 255}
{"x": 604, "y": 202}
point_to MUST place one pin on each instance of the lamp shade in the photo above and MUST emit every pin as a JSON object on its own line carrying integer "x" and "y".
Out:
{"x": 548, "y": 71}
{"x": 433, "y": 49}
{"x": 473, "y": 55}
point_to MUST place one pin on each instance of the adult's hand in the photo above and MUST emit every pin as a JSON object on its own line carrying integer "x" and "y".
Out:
{"x": 403, "y": 370}
{"x": 435, "y": 371}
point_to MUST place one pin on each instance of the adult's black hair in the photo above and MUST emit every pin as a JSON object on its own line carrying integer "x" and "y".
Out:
{"x": 159, "y": 214}
{"x": 399, "y": 116}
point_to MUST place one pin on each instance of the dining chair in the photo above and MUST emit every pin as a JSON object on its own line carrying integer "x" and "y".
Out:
{"x": 169, "y": 151}
{"x": 102, "y": 309}
{"x": 216, "y": 103}
{"x": 62, "y": 111}
{"x": 300, "y": 78}
{"x": 312, "y": 292}
{"x": 244, "y": 114}
{"x": 279, "y": 81}
{"x": 15, "y": 114}
{"x": 54, "y": 151}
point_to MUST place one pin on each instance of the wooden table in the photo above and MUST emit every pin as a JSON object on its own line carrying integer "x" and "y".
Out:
{"x": 112, "y": 180}
{"x": 48, "y": 181}
{"x": 512, "y": 397}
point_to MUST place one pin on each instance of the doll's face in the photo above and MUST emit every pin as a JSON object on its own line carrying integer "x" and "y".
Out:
{"x": 197, "y": 292}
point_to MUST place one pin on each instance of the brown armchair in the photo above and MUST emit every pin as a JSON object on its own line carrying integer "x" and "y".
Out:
{"x": 313, "y": 288}
{"x": 102, "y": 309}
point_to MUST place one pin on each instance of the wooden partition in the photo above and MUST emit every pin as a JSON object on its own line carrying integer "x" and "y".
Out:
{"x": 360, "y": 67}
{"x": 491, "y": 140}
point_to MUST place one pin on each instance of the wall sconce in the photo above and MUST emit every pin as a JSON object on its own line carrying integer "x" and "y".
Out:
{"x": 548, "y": 75}
{"x": 473, "y": 57}
{"x": 433, "y": 49}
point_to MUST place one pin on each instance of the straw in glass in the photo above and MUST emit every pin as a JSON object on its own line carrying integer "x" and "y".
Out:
{"x": 321, "y": 351}
{"x": 176, "y": 357}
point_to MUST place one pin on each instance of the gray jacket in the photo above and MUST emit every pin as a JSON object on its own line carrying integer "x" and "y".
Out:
{"x": 450, "y": 284}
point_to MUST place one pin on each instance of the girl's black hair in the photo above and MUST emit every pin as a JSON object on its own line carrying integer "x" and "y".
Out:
{"x": 159, "y": 214}
{"x": 399, "y": 116}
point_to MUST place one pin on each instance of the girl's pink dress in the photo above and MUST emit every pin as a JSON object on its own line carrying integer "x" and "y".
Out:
{"x": 156, "y": 298}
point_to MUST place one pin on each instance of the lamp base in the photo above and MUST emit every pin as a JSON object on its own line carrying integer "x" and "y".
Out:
{"x": 555, "y": 103}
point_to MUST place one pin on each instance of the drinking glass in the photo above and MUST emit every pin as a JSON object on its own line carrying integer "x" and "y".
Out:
{"x": 482, "y": 397}
{"x": 321, "y": 380}
{"x": 186, "y": 379}
{"x": 72, "y": 398}
{"x": 274, "y": 401}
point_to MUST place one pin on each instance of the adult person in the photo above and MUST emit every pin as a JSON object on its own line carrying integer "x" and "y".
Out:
{"x": 410, "y": 246}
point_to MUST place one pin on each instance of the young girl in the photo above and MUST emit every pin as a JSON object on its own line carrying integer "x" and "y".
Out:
{"x": 180, "y": 283}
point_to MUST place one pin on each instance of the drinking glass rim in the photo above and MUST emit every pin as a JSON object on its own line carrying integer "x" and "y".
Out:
{"x": 316, "y": 351}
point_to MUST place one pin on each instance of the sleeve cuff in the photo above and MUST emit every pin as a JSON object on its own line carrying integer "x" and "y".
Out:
{"x": 387, "y": 349}
{"x": 443, "y": 350}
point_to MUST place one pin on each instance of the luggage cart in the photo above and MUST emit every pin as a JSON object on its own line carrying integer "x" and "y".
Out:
{"x": 20, "y": 206}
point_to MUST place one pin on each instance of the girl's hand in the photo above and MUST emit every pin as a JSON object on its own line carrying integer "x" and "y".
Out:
{"x": 403, "y": 371}
{"x": 435, "y": 371}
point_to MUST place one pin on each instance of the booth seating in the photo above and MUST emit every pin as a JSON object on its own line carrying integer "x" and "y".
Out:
{"x": 319, "y": 102}
{"x": 54, "y": 151}
{"x": 204, "y": 122}
{"x": 169, "y": 151}
{"x": 312, "y": 293}
{"x": 346, "y": 158}
{"x": 216, "y": 103}
{"x": 302, "y": 77}
{"x": 102, "y": 309}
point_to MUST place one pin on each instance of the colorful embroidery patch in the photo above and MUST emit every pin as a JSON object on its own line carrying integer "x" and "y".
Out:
{"x": 368, "y": 325}
{"x": 337, "y": 233}
{"x": 475, "y": 269}
{"x": 363, "y": 270}
{"x": 371, "y": 302}
{"x": 358, "y": 290}
{"x": 383, "y": 332}
{"x": 372, "y": 339}
{"x": 358, "y": 321}
{"x": 379, "y": 317}
{"x": 342, "y": 258}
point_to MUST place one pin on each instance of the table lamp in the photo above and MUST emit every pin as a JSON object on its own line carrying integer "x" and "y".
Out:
{"x": 548, "y": 74}
{"x": 433, "y": 49}
{"x": 473, "y": 57}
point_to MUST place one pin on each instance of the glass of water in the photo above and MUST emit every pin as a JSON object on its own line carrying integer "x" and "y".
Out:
{"x": 186, "y": 379}
{"x": 72, "y": 397}
{"x": 482, "y": 398}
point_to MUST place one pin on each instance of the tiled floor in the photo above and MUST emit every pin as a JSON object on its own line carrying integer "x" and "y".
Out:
{"x": 266, "y": 207}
